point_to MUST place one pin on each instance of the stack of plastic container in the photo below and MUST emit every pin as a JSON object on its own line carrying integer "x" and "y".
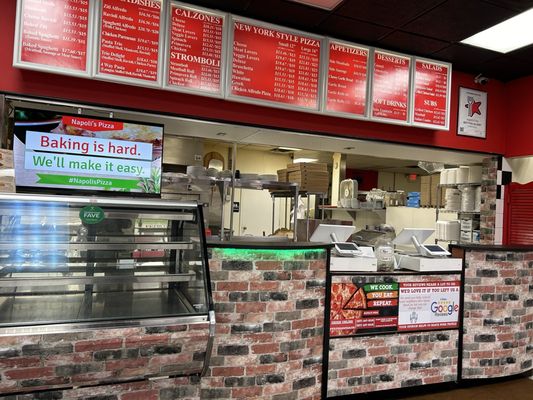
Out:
{"x": 453, "y": 199}
{"x": 413, "y": 199}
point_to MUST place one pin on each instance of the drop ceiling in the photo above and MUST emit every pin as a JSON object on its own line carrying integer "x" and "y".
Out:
{"x": 428, "y": 28}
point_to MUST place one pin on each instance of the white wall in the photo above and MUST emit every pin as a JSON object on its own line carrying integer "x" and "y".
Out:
{"x": 410, "y": 217}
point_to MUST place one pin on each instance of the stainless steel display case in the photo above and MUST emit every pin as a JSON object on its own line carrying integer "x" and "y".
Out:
{"x": 144, "y": 264}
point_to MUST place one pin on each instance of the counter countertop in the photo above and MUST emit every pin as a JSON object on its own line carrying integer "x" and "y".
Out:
{"x": 275, "y": 245}
{"x": 494, "y": 247}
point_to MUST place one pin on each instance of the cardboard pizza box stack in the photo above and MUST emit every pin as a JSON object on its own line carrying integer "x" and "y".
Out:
{"x": 311, "y": 177}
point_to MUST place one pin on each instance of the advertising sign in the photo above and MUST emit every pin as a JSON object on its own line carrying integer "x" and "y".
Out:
{"x": 390, "y": 87}
{"x": 74, "y": 152}
{"x": 129, "y": 39}
{"x": 278, "y": 66}
{"x": 365, "y": 308}
{"x": 429, "y": 305}
{"x": 53, "y": 35}
{"x": 195, "y": 55}
{"x": 472, "y": 119}
{"x": 347, "y": 76}
{"x": 431, "y": 94}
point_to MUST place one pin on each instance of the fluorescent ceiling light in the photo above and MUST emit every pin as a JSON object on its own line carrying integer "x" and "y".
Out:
{"x": 303, "y": 159}
{"x": 324, "y": 4}
{"x": 289, "y": 148}
{"x": 507, "y": 36}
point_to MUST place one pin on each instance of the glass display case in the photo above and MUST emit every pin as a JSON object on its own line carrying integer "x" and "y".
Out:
{"x": 74, "y": 263}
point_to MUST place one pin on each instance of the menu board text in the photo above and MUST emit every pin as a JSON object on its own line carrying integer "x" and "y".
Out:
{"x": 54, "y": 33}
{"x": 273, "y": 65}
{"x": 430, "y": 93}
{"x": 129, "y": 38}
{"x": 390, "y": 87}
{"x": 347, "y": 77}
{"x": 195, "y": 49}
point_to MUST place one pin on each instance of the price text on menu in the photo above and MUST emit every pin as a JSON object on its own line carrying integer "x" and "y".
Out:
{"x": 54, "y": 33}
{"x": 347, "y": 77}
{"x": 195, "y": 49}
{"x": 269, "y": 64}
{"x": 129, "y": 38}
{"x": 390, "y": 88}
{"x": 430, "y": 93}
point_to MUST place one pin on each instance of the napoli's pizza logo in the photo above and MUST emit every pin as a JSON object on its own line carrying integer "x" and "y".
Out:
{"x": 474, "y": 107}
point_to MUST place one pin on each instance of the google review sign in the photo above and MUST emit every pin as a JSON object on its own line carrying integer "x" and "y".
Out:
{"x": 87, "y": 155}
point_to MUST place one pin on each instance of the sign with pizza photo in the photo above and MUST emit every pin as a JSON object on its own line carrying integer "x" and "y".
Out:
{"x": 362, "y": 308}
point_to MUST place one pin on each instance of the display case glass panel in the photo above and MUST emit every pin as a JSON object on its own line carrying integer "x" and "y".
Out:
{"x": 73, "y": 260}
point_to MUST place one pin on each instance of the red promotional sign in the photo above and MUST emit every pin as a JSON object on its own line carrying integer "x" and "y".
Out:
{"x": 347, "y": 76}
{"x": 430, "y": 93}
{"x": 274, "y": 65}
{"x": 90, "y": 124}
{"x": 195, "y": 51}
{"x": 390, "y": 88}
{"x": 54, "y": 33}
{"x": 129, "y": 38}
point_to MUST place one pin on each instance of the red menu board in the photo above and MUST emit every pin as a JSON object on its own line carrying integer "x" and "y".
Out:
{"x": 430, "y": 93}
{"x": 195, "y": 50}
{"x": 54, "y": 33}
{"x": 129, "y": 39}
{"x": 275, "y": 65}
{"x": 347, "y": 77}
{"x": 390, "y": 86}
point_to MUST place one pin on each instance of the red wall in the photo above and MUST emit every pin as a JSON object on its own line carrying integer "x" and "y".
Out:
{"x": 519, "y": 119}
{"x": 117, "y": 95}
{"x": 366, "y": 180}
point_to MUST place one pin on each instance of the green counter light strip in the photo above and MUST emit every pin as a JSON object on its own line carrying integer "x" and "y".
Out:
{"x": 270, "y": 254}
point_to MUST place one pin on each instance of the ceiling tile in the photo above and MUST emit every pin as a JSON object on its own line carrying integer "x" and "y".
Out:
{"x": 236, "y": 6}
{"x": 351, "y": 30}
{"x": 505, "y": 68}
{"x": 294, "y": 15}
{"x": 525, "y": 54}
{"x": 518, "y": 5}
{"x": 465, "y": 58}
{"x": 391, "y": 13}
{"x": 415, "y": 44}
{"x": 456, "y": 20}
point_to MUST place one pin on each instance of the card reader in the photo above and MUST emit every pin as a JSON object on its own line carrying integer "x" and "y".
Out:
{"x": 347, "y": 249}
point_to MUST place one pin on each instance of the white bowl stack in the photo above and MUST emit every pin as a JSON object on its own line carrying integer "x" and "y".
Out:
{"x": 453, "y": 199}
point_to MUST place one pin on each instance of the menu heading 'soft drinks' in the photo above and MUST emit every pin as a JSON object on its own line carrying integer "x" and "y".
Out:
{"x": 55, "y": 33}
{"x": 430, "y": 93}
{"x": 347, "y": 78}
{"x": 129, "y": 38}
{"x": 390, "y": 87}
{"x": 274, "y": 65}
{"x": 195, "y": 49}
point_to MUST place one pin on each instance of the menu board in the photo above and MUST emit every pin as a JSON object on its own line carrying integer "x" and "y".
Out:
{"x": 390, "y": 87}
{"x": 279, "y": 66}
{"x": 347, "y": 79}
{"x": 431, "y": 93}
{"x": 195, "y": 49}
{"x": 54, "y": 35}
{"x": 129, "y": 39}
{"x": 429, "y": 305}
{"x": 60, "y": 151}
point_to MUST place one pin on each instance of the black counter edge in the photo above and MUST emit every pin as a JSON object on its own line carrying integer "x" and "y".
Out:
{"x": 252, "y": 245}
{"x": 494, "y": 247}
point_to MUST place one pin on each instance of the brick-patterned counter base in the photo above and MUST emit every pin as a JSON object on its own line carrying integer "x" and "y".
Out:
{"x": 498, "y": 318}
{"x": 390, "y": 361}
{"x": 49, "y": 361}
{"x": 269, "y": 308}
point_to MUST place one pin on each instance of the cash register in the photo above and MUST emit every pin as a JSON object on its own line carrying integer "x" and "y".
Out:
{"x": 346, "y": 256}
{"x": 425, "y": 257}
